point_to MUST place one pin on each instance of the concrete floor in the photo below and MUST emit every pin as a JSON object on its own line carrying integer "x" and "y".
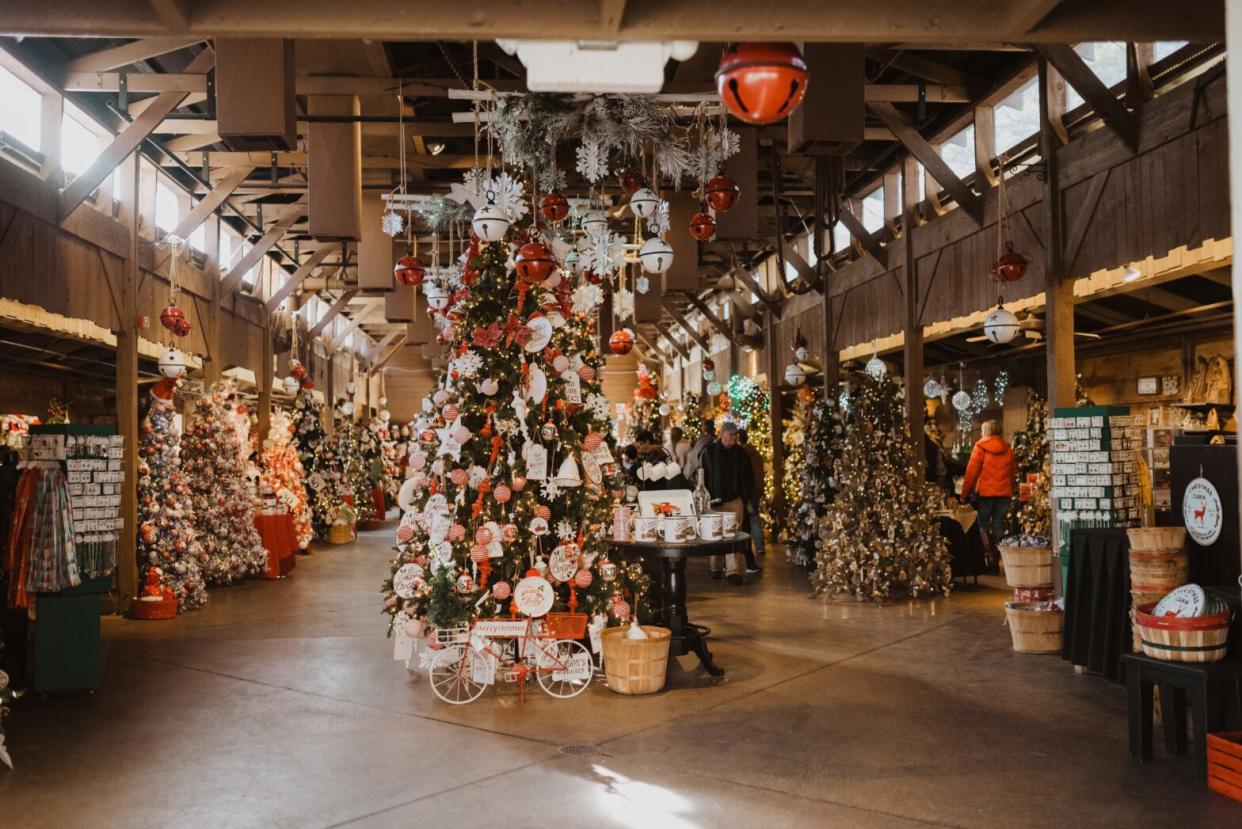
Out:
{"x": 279, "y": 705}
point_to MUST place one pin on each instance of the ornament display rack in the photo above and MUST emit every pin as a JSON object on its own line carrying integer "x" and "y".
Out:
{"x": 1095, "y": 471}
{"x": 66, "y": 634}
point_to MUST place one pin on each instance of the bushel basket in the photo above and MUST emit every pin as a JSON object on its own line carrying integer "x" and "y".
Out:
{"x": 1177, "y": 639}
{"x": 636, "y": 666}
{"x": 1033, "y": 631}
{"x": 1027, "y": 566}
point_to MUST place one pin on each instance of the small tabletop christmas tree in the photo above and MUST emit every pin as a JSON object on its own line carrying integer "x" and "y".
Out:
{"x": 880, "y": 533}
{"x": 167, "y": 540}
{"x": 825, "y": 432}
{"x": 223, "y": 502}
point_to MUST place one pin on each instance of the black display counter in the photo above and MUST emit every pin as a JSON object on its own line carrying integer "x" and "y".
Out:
{"x": 1097, "y": 602}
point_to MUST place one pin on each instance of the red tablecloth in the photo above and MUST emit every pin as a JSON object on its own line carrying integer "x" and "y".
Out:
{"x": 281, "y": 541}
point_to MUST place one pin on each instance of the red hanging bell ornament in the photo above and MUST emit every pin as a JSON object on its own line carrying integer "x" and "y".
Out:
{"x": 554, "y": 207}
{"x": 169, "y": 317}
{"x": 702, "y": 226}
{"x": 1010, "y": 267}
{"x": 298, "y": 371}
{"x": 761, "y": 82}
{"x": 182, "y": 327}
{"x": 409, "y": 271}
{"x": 629, "y": 179}
{"x": 722, "y": 193}
{"x": 534, "y": 263}
{"x": 621, "y": 342}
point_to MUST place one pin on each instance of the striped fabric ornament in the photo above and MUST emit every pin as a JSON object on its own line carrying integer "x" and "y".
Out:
{"x": 582, "y": 579}
{"x": 456, "y": 533}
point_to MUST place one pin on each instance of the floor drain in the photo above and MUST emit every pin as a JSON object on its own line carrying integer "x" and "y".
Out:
{"x": 579, "y": 749}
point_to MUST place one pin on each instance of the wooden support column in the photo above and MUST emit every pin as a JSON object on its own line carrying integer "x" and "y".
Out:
{"x": 776, "y": 411}
{"x": 1233, "y": 34}
{"x": 263, "y": 378}
{"x": 915, "y": 407}
{"x": 127, "y": 401}
{"x": 212, "y": 364}
{"x": 1059, "y": 289}
{"x": 829, "y": 356}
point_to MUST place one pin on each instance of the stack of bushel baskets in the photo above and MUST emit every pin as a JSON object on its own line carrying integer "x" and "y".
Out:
{"x": 1158, "y": 565}
{"x": 1033, "y": 617}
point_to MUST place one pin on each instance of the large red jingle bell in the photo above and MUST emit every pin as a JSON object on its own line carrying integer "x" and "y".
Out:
{"x": 554, "y": 207}
{"x": 164, "y": 388}
{"x": 621, "y": 342}
{"x": 409, "y": 271}
{"x": 534, "y": 263}
{"x": 722, "y": 193}
{"x": 298, "y": 372}
{"x": 761, "y": 82}
{"x": 1010, "y": 267}
{"x": 169, "y": 317}
{"x": 702, "y": 226}
{"x": 308, "y": 384}
{"x": 182, "y": 327}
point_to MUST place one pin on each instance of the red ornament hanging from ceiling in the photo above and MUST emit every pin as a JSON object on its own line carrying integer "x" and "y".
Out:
{"x": 621, "y": 342}
{"x": 761, "y": 82}
{"x": 409, "y": 271}
{"x": 554, "y": 207}
{"x": 1010, "y": 267}
{"x": 169, "y": 317}
{"x": 630, "y": 179}
{"x": 722, "y": 193}
{"x": 534, "y": 263}
{"x": 702, "y": 226}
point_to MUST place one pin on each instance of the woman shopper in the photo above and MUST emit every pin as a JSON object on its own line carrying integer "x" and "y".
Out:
{"x": 990, "y": 475}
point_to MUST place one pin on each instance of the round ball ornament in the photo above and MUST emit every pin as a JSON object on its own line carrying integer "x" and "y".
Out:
{"x": 297, "y": 370}
{"x": 554, "y": 207}
{"x": 404, "y": 533}
{"x": 534, "y": 596}
{"x": 519, "y": 483}
{"x": 795, "y": 375}
{"x": 594, "y": 223}
{"x": 182, "y": 327}
{"x": 1010, "y": 267}
{"x": 502, "y": 494}
{"x": 573, "y": 262}
{"x": 621, "y": 342}
{"x": 456, "y": 532}
{"x": 664, "y": 409}
{"x": 629, "y": 179}
{"x": 932, "y": 388}
{"x": 437, "y": 297}
{"x": 542, "y": 511}
{"x": 534, "y": 263}
{"x": 409, "y": 271}
{"x": 1000, "y": 326}
{"x": 501, "y": 590}
{"x": 489, "y": 386}
{"x": 170, "y": 316}
{"x": 586, "y": 373}
{"x": 291, "y": 384}
{"x": 961, "y": 400}
{"x": 608, "y": 571}
{"x": 644, "y": 202}
{"x": 490, "y": 223}
{"x": 620, "y": 609}
{"x": 458, "y": 476}
{"x": 465, "y": 584}
{"x": 548, "y": 431}
{"x": 478, "y": 553}
{"x": 347, "y": 408}
{"x": 172, "y": 363}
{"x": 656, "y": 255}
{"x": 875, "y": 368}
{"x": 722, "y": 193}
{"x": 591, "y": 441}
{"x": 702, "y": 226}
{"x": 713, "y": 388}
{"x": 582, "y": 579}
{"x": 450, "y": 412}
{"x": 560, "y": 364}
{"x": 761, "y": 82}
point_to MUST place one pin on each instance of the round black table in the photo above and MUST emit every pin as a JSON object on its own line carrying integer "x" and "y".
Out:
{"x": 687, "y": 636}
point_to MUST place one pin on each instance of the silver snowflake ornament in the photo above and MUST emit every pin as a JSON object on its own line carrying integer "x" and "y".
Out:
{"x": 392, "y": 223}
{"x": 550, "y": 489}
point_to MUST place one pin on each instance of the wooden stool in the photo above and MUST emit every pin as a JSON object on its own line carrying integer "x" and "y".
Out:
{"x": 1213, "y": 691}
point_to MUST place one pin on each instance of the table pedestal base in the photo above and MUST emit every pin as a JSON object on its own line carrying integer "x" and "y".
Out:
{"x": 687, "y": 636}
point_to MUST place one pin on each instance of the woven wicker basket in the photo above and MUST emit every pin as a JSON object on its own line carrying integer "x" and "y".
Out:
{"x": 1033, "y": 631}
{"x": 1027, "y": 566}
{"x": 1158, "y": 571}
{"x": 340, "y": 533}
{"x": 1174, "y": 639}
{"x": 1157, "y": 538}
{"x": 636, "y": 666}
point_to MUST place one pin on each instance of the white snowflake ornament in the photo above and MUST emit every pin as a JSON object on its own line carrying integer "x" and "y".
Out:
{"x": 392, "y": 223}
{"x": 565, "y": 531}
{"x": 623, "y": 304}
{"x": 586, "y": 298}
{"x": 642, "y": 284}
{"x": 592, "y": 160}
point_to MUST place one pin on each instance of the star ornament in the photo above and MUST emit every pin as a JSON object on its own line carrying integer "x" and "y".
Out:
{"x": 448, "y": 445}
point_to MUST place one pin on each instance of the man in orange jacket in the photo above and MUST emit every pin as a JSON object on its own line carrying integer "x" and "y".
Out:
{"x": 989, "y": 474}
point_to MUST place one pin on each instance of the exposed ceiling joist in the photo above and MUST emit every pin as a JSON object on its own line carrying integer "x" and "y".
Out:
{"x": 297, "y": 277}
{"x": 260, "y": 249}
{"x": 139, "y": 50}
{"x": 1074, "y": 70}
{"x": 331, "y": 313}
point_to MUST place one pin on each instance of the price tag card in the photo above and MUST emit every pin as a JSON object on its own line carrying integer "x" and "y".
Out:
{"x": 536, "y": 462}
{"x": 483, "y": 669}
{"x": 573, "y": 387}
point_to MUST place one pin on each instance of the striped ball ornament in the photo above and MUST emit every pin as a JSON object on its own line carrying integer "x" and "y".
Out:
{"x": 592, "y": 441}
{"x": 458, "y": 477}
{"x": 404, "y": 533}
{"x": 519, "y": 483}
{"x": 587, "y": 373}
{"x": 456, "y": 533}
{"x": 450, "y": 412}
{"x": 543, "y": 511}
{"x": 500, "y": 590}
{"x": 483, "y": 536}
{"x": 621, "y": 609}
{"x": 582, "y": 579}
{"x": 502, "y": 494}
{"x": 478, "y": 553}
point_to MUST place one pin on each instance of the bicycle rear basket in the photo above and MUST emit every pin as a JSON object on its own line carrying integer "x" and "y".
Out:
{"x": 566, "y": 625}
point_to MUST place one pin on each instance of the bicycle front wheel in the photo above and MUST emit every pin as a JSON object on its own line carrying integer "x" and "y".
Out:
{"x": 571, "y": 669}
{"x": 452, "y": 678}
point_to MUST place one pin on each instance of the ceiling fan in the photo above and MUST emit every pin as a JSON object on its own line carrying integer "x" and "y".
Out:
{"x": 1030, "y": 328}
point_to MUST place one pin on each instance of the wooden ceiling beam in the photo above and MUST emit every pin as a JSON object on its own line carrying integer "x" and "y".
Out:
{"x": 127, "y": 141}
{"x": 668, "y": 336}
{"x": 260, "y": 249}
{"x": 864, "y": 237}
{"x": 1074, "y": 70}
{"x": 138, "y": 50}
{"x": 400, "y": 344}
{"x": 702, "y": 307}
{"x": 297, "y": 277}
{"x": 680, "y": 319}
{"x": 297, "y": 158}
{"x": 328, "y": 316}
{"x": 931, "y": 160}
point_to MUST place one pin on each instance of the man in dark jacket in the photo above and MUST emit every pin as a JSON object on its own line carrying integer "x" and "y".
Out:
{"x": 728, "y": 477}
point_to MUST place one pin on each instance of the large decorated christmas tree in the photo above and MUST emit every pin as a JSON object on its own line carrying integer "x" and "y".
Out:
{"x": 351, "y": 446}
{"x": 167, "y": 539}
{"x": 1030, "y": 456}
{"x": 793, "y": 438}
{"x": 513, "y": 470}
{"x": 220, "y": 493}
{"x": 319, "y": 463}
{"x": 880, "y": 535}
{"x": 283, "y": 474}
{"x": 825, "y": 432}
